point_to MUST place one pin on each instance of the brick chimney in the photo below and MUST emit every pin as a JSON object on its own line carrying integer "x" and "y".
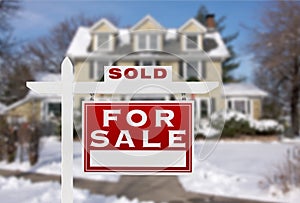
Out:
{"x": 210, "y": 22}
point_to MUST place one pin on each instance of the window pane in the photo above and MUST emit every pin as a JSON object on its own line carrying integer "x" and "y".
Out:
{"x": 229, "y": 105}
{"x": 100, "y": 69}
{"x": 54, "y": 109}
{"x": 240, "y": 106}
{"x": 192, "y": 42}
{"x": 147, "y": 63}
{"x": 181, "y": 69}
{"x": 142, "y": 41}
{"x": 153, "y": 42}
{"x": 192, "y": 70}
{"x": 91, "y": 69}
{"x": 203, "y": 72}
{"x": 103, "y": 41}
{"x": 204, "y": 108}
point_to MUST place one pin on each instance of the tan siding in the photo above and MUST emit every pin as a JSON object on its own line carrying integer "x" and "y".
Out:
{"x": 30, "y": 110}
{"x": 191, "y": 28}
{"x": 82, "y": 70}
{"x": 103, "y": 27}
{"x": 175, "y": 68}
{"x": 213, "y": 71}
{"x": 125, "y": 63}
{"x": 256, "y": 105}
{"x": 148, "y": 25}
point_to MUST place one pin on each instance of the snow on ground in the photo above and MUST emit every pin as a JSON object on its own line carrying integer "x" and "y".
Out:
{"x": 45, "y": 192}
{"x": 237, "y": 169}
{"x": 50, "y": 162}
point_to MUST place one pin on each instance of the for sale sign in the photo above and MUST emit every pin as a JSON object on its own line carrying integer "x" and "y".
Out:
{"x": 138, "y": 136}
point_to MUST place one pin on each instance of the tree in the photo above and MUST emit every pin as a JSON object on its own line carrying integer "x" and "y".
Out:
{"x": 47, "y": 52}
{"x": 276, "y": 48}
{"x": 230, "y": 63}
{"x": 12, "y": 85}
{"x": 7, "y": 9}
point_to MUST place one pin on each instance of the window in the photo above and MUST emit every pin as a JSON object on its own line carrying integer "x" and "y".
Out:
{"x": 241, "y": 105}
{"x": 148, "y": 41}
{"x": 147, "y": 63}
{"x": 96, "y": 69}
{"x": 54, "y": 109}
{"x": 191, "y": 42}
{"x": 192, "y": 70}
{"x": 153, "y": 42}
{"x": 103, "y": 41}
{"x": 202, "y": 107}
{"x": 142, "y": 41}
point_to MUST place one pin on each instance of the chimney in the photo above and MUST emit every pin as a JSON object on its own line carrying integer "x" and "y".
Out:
{"x": 210, "y": 22}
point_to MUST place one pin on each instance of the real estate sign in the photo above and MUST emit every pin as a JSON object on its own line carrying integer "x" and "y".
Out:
{"x": 138, "y": 136}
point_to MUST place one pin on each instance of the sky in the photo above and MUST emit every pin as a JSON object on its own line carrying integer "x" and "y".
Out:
{"x": 37, "y": 17}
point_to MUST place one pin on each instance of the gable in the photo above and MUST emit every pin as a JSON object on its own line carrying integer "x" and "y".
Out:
{"x": 192, "y": 26}
{"x": 147, "y": 23}
{"x": 103, "y": 25}
{"x": 103, "y": 28}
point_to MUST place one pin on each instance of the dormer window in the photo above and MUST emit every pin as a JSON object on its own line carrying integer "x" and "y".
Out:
{"x": 142, "y": 41}
{"x": 153, "y": 44}
{"x": 191, "y": 42}
{"x": 148, "y": 41}
{"x": 103, "y": 35}
{"x": 103, "y": 41}
{"x": 192, "y": 35}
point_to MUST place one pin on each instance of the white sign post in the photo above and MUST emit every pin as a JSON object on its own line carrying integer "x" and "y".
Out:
{"x": 67, "y": 88}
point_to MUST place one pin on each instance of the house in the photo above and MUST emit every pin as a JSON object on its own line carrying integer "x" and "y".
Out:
{"x": 194, "y": 51}
{"x": 244, "y": 98}
{"x": 35, "y": 107}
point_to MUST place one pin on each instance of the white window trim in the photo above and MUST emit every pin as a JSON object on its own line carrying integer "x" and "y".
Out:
{"x": 185, "y": 39}
{"x": 198, "y": 100}
{"x": 184, "y": 71}
{"x": 245, "y": 100}
{"x": 110, "y": 42}
{"x": 159, "y": 46}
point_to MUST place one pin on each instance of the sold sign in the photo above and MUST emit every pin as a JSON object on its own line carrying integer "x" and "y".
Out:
{"x": 138, "y": 136}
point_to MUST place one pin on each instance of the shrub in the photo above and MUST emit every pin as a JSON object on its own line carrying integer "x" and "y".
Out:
{"x": 287, "y": 174}
{"x": 239, "y": 124}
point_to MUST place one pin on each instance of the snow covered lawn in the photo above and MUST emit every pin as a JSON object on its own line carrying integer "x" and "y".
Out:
{"x": 235, "y": 169}
{"x": 238, "y": 169}
{"x": 50, "y": 162}
{"x": 46, "y": 192}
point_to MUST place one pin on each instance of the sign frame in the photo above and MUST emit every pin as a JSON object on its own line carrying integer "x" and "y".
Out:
{"x": 189, "y": 154}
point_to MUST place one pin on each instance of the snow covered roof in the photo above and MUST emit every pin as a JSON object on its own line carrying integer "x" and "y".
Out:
{"x": 221, "y": 49}
{"x": 79, "y": 46}
{"x": 80, "y": 43}
{"x": 243, "y": 89}
{"x": 41, "y": 77}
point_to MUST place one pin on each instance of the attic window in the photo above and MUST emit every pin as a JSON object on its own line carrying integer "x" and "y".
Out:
{"x": 148, "y": 41}
{"x": 103, "y": 41}
{"x": 191, "y": 42}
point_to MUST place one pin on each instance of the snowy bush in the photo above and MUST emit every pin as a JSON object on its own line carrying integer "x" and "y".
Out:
{"x": 287, "y": 175}
{"x": 239, "y": 124}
